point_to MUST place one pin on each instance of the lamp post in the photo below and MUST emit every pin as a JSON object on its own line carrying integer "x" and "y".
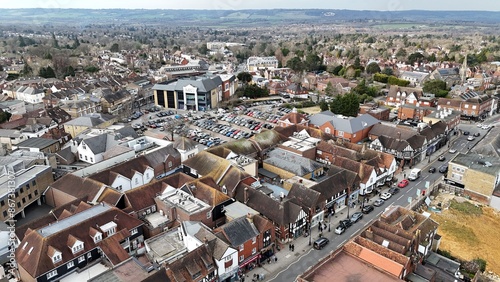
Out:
{"x": 348, "y": 203}
{"x": 310, "y": 235}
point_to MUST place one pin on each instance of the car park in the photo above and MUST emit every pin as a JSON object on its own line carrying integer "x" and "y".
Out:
{"x": 367, "y": 209}
{"x": 355, "y": 217}
{"x": 321, "y": 242}
{"x": 385, "y": 196}
{"x": 378, "y": 202}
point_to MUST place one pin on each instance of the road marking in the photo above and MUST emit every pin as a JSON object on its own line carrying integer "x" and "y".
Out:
{"x": 366, "y": 224}
{"x": 291, "y": 265}
{"x": 400, "y": 197}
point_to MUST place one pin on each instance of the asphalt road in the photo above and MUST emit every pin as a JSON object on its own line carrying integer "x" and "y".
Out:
{"x": 311, "y": 257}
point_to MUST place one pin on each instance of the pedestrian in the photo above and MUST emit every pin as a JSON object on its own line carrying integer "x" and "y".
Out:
{"x": 293, "y": 247}
{"x": 290, "y": 247}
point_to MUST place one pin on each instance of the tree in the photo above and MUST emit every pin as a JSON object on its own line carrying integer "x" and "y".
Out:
{"x": 295, "y": 64}
{"x": 372, "y": 68}
{"x": 347, "y": 105}
{"x": 115, "y": 48}
{"x": 312, "y": 62}
{"x": 401, "y": 53}
{"x": 323, "y": 106}
{"x": 21, "y": 41}
{"x": 415, "y": 57}
{"x": 244, "y": 77}
{"x": 55, "y": 43}
{"x": 27, "y": 70}
{"x": 4, "y": 116}
{"x": 203, "y": 49}
{"x": 388, "y": 71}
{"x": 91, "y": 69}
{"x": 285, "y": 51}
{"x": 329, "y": 89}
{"x": 437, "y": 87}
{"x": 336, "y": 69}
{"x": 47, "y": 72}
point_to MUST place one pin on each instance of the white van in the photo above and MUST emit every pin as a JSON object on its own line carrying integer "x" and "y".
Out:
{"x": 414, "y": 174}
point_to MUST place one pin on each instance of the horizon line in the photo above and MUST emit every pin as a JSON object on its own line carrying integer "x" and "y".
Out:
{"x": 256, "y": 9}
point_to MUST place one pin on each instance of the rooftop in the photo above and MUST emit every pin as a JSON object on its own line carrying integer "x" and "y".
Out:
{"x": 166, "y": 246}
{"x": 36, "y": 142}
{"x": 479, "y": 162}
{"x": 21, "y": 177}
{"x": 183, "y": 200}
{"x": 73, "y": 220}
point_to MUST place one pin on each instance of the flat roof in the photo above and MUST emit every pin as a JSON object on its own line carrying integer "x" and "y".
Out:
{"x": 237, "y": 209}
{"x": 73, "y": 220}
{"x": 20, "y": 178}
{"x": 37, "y": 142}
{"x": 166, "y": 246}
{"x": 478, "y": 162}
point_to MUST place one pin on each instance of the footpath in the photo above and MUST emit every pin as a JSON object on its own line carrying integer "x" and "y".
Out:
{"x": 286, "y": 256}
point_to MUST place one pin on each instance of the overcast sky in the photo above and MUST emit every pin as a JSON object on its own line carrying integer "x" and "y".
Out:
{"x": 382, "y": 5}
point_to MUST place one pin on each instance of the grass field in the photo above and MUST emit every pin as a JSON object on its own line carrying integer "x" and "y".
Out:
{"x": 470, "y": 231}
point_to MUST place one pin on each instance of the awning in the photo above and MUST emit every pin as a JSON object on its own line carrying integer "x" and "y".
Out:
{"x": 267, "y": 173}
{"x": 249, "y": 260}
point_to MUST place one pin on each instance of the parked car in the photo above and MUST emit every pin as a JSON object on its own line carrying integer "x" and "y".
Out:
{"x": 367, "y": 209}
{"x": 385, "y": 196}
{"x": 339, "y": 230}
{"x": 471, "y": 138}
{"x": 477, "y": 134}
{"x": 452, "y": 151}
{"x": 378, "y": 202}
{"x": 394, "y": 190}
{"x": 321, "y": 242}
{"x": 355, "y": 217}
{"x": 432, "y": 169}
{"x": 466, "y": 132}
{"x": 346, "y": 223}
{"x": 403, "y": 183}
{"x": 441, "y": 158}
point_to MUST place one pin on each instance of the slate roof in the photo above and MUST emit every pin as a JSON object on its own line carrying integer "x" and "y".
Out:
{"x": 97, "y": 144}
{"x": 238, "y": 231}
{"x": 281, "y": 213}
{"x": 36, "y": 262}
{"x": 201, "y": 232}
{"x": 177, "y": 180}
{"x": 157, "y": 158}
{"x": 490, "y": 144}
{"x": 185, "y": 144}
{"x": 117, "y": 96}
{"x": 320, "y": 118}
{"x": 203, "y": 84}
{"x": 335, "y": 184}
{"x": 90, "y": 120}
{"x": 392, "y": 131}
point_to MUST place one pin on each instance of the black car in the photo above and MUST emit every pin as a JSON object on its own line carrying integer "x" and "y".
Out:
{"x": 432, "y": 169}
{"x": 477, "y": 134}
{"x": 466, "y": 132}
{"x": 346, "y": 223}
{"x": 443, "y": 168}
{"x": 441, "y": 158}
{"x": 393, "y": 190}
{"x": 367, "y": 209}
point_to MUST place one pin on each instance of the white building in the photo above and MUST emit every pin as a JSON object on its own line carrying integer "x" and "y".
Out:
{"x": 256, "y": 63}
{"x": 30, "y": 95}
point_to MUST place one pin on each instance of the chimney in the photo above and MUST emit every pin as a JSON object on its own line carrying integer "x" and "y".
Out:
{"x": 205, "y": 240}
{"x": 245, "y": 195}
{"x": 249, "y": 217}
{"x": 300, "y": 181}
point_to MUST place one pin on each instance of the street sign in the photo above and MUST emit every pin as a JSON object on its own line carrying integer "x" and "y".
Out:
{"x": 427, "y": 184}
{"x": 409, "y": 200}
{"x": 418, "y": 192}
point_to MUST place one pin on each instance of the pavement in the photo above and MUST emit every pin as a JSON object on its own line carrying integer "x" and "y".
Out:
{"x": 301, "y": 245}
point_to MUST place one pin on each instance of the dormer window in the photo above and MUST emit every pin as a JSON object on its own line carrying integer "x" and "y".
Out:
{"x": 109, "y": 228}
{"x": 77, "y": 247}
{"x": 97, "y": 237}
{"x": 57, "y": 257}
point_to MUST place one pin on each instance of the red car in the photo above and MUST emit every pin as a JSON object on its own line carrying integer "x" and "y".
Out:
{"x": 403, "y": 183}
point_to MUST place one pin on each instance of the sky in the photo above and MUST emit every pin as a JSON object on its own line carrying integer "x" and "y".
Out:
{"x": 380, "y": 5}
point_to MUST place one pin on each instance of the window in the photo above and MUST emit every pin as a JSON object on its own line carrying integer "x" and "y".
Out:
{"x": 91, "y": 159}
{"x": 209, "y": 215}
{"x": 89, "y": 256}
{"x": 242, "y": 258}
{"x": 18, "y": 204}
{"x": 474, "y": 107}
{"x": 57, "y": 258}
{"x": 254, "y": 251}
{"x": 137, "y": 181}
{"x": 24, "y": 200}
{"x": 51, "y": 274}
{"x": 170, "y": 164}
{"x": 81, "y": 259}
{"x": 134, "y": 231}
{"x": 340, "y": 133}
{"x": 70, "y": 264}
{"x": 254, "y": 239}
{"x": 228, "y": 258}
{"x": 242, "y": 247}
{"x": 328, "y": 130}
{"x": 77, "y": 248}
{"x": 86, "y": 158}
{"x": 2, "y": 203}
{"x": 97, "y": 237}
{"x": 29, "y": 197}
{"x": 21, "y": 190}
{"x": 147, "y": 174}
{"x": 466, "y": 106}
{"x": 81, "y": 156}
{"x": 4, "y": 214}
{"x": 36, "y": 192}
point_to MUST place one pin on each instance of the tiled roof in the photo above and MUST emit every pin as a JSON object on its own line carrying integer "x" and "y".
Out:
{"x": 126, "y": 169}
{"x": 78, "y": 187}
{"x": 34, "y": 259}
{"x": 143, "y": 196}
{"x": 238, "y": 231}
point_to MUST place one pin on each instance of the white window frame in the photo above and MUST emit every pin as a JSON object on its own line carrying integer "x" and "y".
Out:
{"x": 209, "y": 215}
{"x": 241, "y": 247}
{"x": 81, "y": 259}
{"x": 254, "y": 239}
{"x": 134, "y": 231}
{"x": 52, "y": 274}
{"x": 254, "y": 251}
{"x": 328, "y": 130}
{"x": 242, "y": 257}
{"x": 340, "y": 133}
{"x": 70, "y": 264}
